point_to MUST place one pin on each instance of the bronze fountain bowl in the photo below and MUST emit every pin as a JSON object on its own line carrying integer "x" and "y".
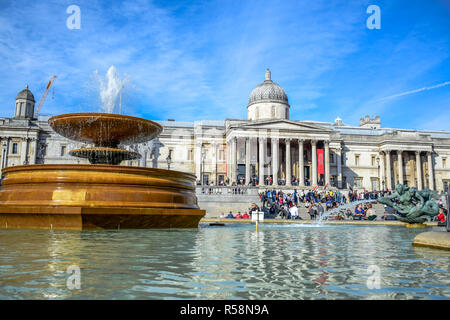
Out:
{"x": 105, "y": 129}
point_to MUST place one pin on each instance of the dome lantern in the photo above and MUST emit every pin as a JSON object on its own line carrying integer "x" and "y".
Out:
{"x": 24, "y": 104}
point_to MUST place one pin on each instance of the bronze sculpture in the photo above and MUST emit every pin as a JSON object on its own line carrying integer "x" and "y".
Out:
{"x": 412, "y": 205}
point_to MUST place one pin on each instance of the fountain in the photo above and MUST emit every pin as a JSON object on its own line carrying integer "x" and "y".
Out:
{"x": 327, "y": 214}
{"x": 102, "y": 194}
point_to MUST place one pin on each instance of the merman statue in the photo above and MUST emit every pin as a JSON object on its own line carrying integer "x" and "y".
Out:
{"x": 412, "y": 205}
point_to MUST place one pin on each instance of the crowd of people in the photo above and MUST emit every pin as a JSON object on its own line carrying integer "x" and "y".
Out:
{"x": 278, "y": 203}
{"x": 317, "y": 202}
{"x": 253, "y": 209}
{"x": 328, "y": 197}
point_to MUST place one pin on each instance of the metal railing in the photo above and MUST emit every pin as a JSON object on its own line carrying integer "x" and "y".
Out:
{"x": 226, "y": 190}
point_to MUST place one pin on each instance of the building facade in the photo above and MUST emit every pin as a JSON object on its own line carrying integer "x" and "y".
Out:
{"x": 265, "y": 148}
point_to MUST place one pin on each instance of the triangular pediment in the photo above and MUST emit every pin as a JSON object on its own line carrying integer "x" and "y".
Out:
{"x": 281, "y": 124}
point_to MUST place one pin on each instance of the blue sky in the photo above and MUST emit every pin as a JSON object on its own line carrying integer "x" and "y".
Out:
{"x": 198, "y": 60}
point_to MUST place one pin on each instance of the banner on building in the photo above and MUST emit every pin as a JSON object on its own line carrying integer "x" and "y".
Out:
{"x": 320, "y": 166}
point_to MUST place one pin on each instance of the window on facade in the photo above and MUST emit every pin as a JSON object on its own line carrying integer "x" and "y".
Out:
{"x": 358, "y": 183}
{"x": 221, "y": 155}
{"x": 63, "y": 151}
{"x": 373, "y": 161}
{"x": 333, "y": 181}
{"x": 444, "y": 163}
{"x": 14, "y": 148}
{"x": 357, "y": 160}
{"x": 190, "y": 154}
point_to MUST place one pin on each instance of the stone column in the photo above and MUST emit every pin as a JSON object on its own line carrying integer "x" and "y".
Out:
{"x": 3, "y": 153}
{"x": 400, "y": 166}
{"x": 8, "y": 140}
{"x": 198, "y": 160}
{"x": 339, "y": 167}
{"x": 23, "y": 151}
{"x": 288, "y": 162}
{"x": 262, "y": 144}
{"x": 234, "y": 160}
{"x": 34, "y": 147}
{"x": 275, "y": 158}
{"x": 327, "y": 162}
{"x": 382, "y": 175}
{"x": 214, "y": 146}
{"x": 430, "y": 171}
{"x": 418, "y": 170}
{"x": 314, "y": 163}
{"x": 301, "y": 165}
{"x": 247, "y": 160}
{"x": 388, "y": 170}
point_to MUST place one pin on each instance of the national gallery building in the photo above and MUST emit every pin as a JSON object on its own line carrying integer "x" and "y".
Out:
{"x": 265, "y": 148}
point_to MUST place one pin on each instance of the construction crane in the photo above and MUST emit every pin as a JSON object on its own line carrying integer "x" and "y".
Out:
{"x": 44, "y": 96}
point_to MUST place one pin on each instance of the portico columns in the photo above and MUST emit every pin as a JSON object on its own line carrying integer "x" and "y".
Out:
{"x": 388, "y": 169}
{"x": 275, "y": 156}
{"x": 418, "y": 170}
{"x": 327, "y": 162}
{"x": 430, "y": 171}
{"x": 214, "y": 146}
{"x": 247, "y": 160}
{"x": 382, "y": 177}
{"x": 288, "y": 162}
{"x": 198, "y": 160}
{"x": 339, "y": 167}
{"x": 234, "y": 160}
{"x": 301, "y": 165}
{"x": 262, "y": 144}
{"x": 314, "y": 162}
{"x": 400, "y": 166}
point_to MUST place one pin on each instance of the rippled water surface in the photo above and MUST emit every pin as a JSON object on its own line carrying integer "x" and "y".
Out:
{"x": 232, "y": 262}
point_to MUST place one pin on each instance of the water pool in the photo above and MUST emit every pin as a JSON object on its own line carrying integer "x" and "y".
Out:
{"x": 231, "y": 262}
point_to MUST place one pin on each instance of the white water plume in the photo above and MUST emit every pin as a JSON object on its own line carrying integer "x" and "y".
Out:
{"x": 111, "y": 90}
{"x": 327, "y": 214}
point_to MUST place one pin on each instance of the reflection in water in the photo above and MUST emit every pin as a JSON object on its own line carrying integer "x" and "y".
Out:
{"x": 233, "y": 262}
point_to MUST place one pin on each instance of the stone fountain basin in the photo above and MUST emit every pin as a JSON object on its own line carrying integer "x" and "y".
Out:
{"x": 86, "y": 196}
{"x": 105, "y": 129}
